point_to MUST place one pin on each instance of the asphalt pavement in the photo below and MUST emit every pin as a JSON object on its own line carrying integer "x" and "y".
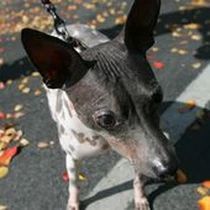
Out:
{"x": 180, "y": 59}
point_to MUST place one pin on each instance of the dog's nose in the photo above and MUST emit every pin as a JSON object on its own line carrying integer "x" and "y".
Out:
{"x": 163, "y": 170}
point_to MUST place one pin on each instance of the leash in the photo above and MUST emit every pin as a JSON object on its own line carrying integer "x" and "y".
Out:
{"x": 60, "y": 25}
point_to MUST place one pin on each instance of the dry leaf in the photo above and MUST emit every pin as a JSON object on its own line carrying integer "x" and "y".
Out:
{"x": 196, "y": 65}
{"x": 100, "y": 18}
{"x": 18, "y": 115}
{"x": 204, "y": 203}
{"x": 2, "y": 86}
{"x": 26, "y": 90}
{"x": 7, "y": 155}
{"x": 18, "y": 107}
{"x": 202, "y": 191}
{"x": 2, "y": 116}
{"x": 42, "y": 145}
{"x": 3, "y": 171}
{"x": 189, "y": 105}
{"x": 196, "y": 37}
{"x": 24, "y": 142}
{"x": 192, "y": 26}
{"x": 120, "y": 20}
{"x": 35, "y": 74}
{"x": 37, "y": 92}
{"x": 82, "y": 177}
{"x": 18, "y": 135}
{"x": 182, "y": 52}
{"x": 3, "y": 145}
{"x": 3, "y": 207}
{"x": 181, "y": 177}
{"x": 65, "y": 176}
{"x": 206, "y": 184}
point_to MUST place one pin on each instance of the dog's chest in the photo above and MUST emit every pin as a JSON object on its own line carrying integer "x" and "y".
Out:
{"x": 75, "y": 137}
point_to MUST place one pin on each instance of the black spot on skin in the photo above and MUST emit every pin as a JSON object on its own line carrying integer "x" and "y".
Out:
{"x": 71, "y": 148}
{"x": 79, "y": 136}
{"x": 61, "y": 128}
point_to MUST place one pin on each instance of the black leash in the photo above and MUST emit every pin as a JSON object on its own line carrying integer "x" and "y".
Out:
{"x": 60, "y": 25}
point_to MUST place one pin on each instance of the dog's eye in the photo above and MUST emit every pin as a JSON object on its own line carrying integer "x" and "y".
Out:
{"x": 105, "y": 119}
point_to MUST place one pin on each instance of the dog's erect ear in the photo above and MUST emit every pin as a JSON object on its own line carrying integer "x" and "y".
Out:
{"x": 138, "y": 34}
{"x": 57, "y": 62}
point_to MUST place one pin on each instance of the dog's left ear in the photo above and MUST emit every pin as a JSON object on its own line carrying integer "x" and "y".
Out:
{"x": 138, "y": 32}
{"x": 57, "y": 61}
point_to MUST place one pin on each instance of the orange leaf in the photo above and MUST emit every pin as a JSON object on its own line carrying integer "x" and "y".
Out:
{"x": 204, "y": 203}
{"x": 206, "y": 184}
{"x": 7, "y": 155}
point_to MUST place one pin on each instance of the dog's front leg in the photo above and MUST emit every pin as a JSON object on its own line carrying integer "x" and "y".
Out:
{"x": 72, "y": 170}
{"x": 141, "y": 202}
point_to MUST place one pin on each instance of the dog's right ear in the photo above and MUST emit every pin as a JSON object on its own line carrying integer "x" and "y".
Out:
{"x": 57, "y": 62}
{"x": 138, "y": 32}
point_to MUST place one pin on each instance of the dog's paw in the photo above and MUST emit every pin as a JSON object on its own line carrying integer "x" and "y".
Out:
{"x": 142, "y": 204}
{"x": 72, "y": 206}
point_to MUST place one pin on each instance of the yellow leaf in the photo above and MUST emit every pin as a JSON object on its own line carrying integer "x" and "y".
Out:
{"x": 202, "y": 191}
{"x": 3, "y": 207}
{"x": 82, "y": 177}
{"x": 3, "y": 171}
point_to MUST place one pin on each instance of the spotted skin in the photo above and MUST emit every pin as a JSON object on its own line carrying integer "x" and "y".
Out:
{"x": 106, "y": 96}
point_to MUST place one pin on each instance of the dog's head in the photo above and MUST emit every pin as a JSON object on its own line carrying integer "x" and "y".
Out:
{"x": 112, "y": 88}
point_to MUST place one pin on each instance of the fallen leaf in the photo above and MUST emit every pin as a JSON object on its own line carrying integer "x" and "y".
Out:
{"x": 3, "y": 171}
{"x": 2, "y": 116}
{"x": 120, "y": 20}
{"x": 11, "y": 132}
{"x": 1, "y": 61}
{"x": 24, "y": 142}
{"x": 181, "y": 177}
{"x": 3, "y": 207}
{"x": 188, "y": 105}
{"x": 7, "y": 155}
{"x": 65, "y": 176}
{"x": 35, "y": 74}
{"x": 26, "y": 90}
{"x": 191, "y": 104}
{"x": 82, "y": 177}
{"x": 17, "y": 115}
{"x": 37, "y": 92}
{"x": 206, "y": 184}
{"x": 18, "y": 107}
{"x": 196, "y": 65}
{"x": 196, "y": 37}
{"x": 192, "y": 26}
{"x": 204, "y": 203}
{"x": 100, "y": 18}
{"x": 182, "y": 52}
{"x": 2, "y": 86}
{"x": 18, "y": 135}
{"x": 202, "y": 190}
{"x": 42, "y": 145}
{"x": 158, "y": 65}
{"x": 3, "y": 145}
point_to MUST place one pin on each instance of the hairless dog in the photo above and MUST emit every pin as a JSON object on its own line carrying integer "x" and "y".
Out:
{"x": 107, "y": 97}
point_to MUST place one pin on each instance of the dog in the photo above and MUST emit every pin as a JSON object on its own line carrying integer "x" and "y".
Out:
{"x": 107, "y": 97}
